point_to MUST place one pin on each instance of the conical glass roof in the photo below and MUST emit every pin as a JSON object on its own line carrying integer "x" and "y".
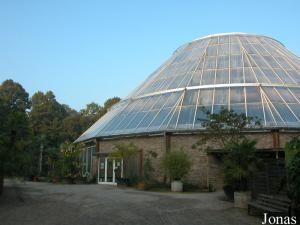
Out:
{"x": 247, "y": 73}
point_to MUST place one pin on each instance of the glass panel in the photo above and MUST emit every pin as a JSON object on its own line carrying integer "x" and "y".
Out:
{"x": 283, "y": 76}
{"x": 259, "y": 61}
{"x": 205, "y": 97}
{"x": 221, "y": 96}
{"x": 235, "y": 49}
{"x": 223, "y": 39}
{"x": 296, "y": 109}
{"x": 201, "y": 115}
{"x": 172, "y": 99}
{"x": 210, "y": 63}
{"x": 249, "y": 76}
{"x": 236, "y": 61}
{"x": 174, "y": 119}
{"x": 223, "y": 62}
{"x": 285, "y": 113}
{"x": 238, "y": 108}
{"x": 269, "y": 116}
{"x": 260, "y": 76}
{"x": 195, "y": 79}
{"x": 187, "y": 116}
{"x": 213, "y": 40}
{"x": 237, "y": 95}
{"x": 160, "y": 117}
{"x": 208, "y": 77}
{"x": 272, "y": 94}
{"x": 255, "y": 111}
{"x": 190, "y": 97}
{"x": 286, "y": 95}
{"x": 212, "y": 50}
{"x": 218, "y": 108}
{"x": 296, "y": 92}
{"x": 272, "y": 76}
{"x": 271, "y": 61}
{"x": 222, "y": 77}
{"x": 253, "y": 94}
{"x": 136, "y": 120}
{"x": 236, "y": 76}
{"x": 223, "y": 49}
{"x": 147, "y": 119}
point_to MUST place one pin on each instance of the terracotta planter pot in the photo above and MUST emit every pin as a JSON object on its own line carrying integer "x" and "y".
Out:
{"x": 241, "y": 199}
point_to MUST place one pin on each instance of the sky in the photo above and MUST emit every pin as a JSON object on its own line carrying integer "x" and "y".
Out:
{"x": 88, "y": 51}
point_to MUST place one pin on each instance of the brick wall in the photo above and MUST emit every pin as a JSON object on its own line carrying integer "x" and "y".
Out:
{"x": 206, "y": 167}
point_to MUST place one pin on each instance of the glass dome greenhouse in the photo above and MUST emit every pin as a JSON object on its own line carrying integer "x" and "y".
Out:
{"x": 246, "y": 73}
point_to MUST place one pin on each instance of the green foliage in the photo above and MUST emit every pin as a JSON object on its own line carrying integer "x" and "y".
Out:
{"x": 71, "y": 166}
{"x": 124, "y": 151}
{"x": 239, "y": 163}
{"x": 176, "y": 164}
{"x": 27, "y": 125}
{"x": 291, "y": 148}
{"x": 293, "y": 170}
{"x": 225, "y": 126}
{"x": 110, "y": 102}
{"x": 66, "y": 164}
{"x": 15, "y": 133}
{"x": 148, "y": 167}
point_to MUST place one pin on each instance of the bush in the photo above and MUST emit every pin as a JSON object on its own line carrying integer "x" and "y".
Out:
{"x": 176, "y": 164}
{"x": 239, "y": 163}
{"x": 293, "y": 170}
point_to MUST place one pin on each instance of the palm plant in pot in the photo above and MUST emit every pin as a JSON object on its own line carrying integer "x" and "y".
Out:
{"x": 176, "y": 165}
{"x": 239, "y": 164}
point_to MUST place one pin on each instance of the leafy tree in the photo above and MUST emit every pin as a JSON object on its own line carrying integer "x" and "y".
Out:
{"x": 46, "y": 118}
{"x": 110, "y": 102}
{"x": 225, "y": 127}
{"x": 176, "y": 164}
{"x": 74, "y": 125}
{"x": 239, "y": 163}
{"x": 69, "y": 156}
{"x": 93, "y": 110}
{"x": 15, "y": 132}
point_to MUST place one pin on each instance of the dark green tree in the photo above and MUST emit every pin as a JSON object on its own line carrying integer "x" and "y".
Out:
{"x": 46, "y": 118}
{"x": 15, "y": 133}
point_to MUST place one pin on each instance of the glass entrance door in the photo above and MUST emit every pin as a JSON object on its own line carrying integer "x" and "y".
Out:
{"x": 109, "y": 170}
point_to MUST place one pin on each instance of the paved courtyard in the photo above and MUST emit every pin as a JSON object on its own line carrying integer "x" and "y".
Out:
{"x": 45, "y": 204}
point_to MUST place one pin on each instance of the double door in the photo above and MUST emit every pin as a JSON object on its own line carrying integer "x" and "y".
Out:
{"x": 109, "y": 170}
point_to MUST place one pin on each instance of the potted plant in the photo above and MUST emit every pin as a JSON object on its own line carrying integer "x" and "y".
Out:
{"x": 176, "y": 165}
{"x": 239, "y": 164}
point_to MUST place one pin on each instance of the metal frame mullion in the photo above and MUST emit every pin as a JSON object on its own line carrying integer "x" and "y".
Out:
{"x": 147, "y": 112}
{"x": 173, "y": 109}
{"x": 298, "y": 100}
{"x": 158, "y": 112}
{"x": 287, "y": 104}
{"x": 269, "y": 101}
{"x": 197, "y": 103}
{"x": 279, "y": 63}
{"x": 249, "y": 55}
{"x": 284, "y": 53}
{"x": 262, "y": 104}
{"x": 270, "y": 67}
{"x": 180, "y": 108}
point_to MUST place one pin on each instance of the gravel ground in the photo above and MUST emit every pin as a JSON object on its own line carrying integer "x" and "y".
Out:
{"x": 57, "y": 204}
